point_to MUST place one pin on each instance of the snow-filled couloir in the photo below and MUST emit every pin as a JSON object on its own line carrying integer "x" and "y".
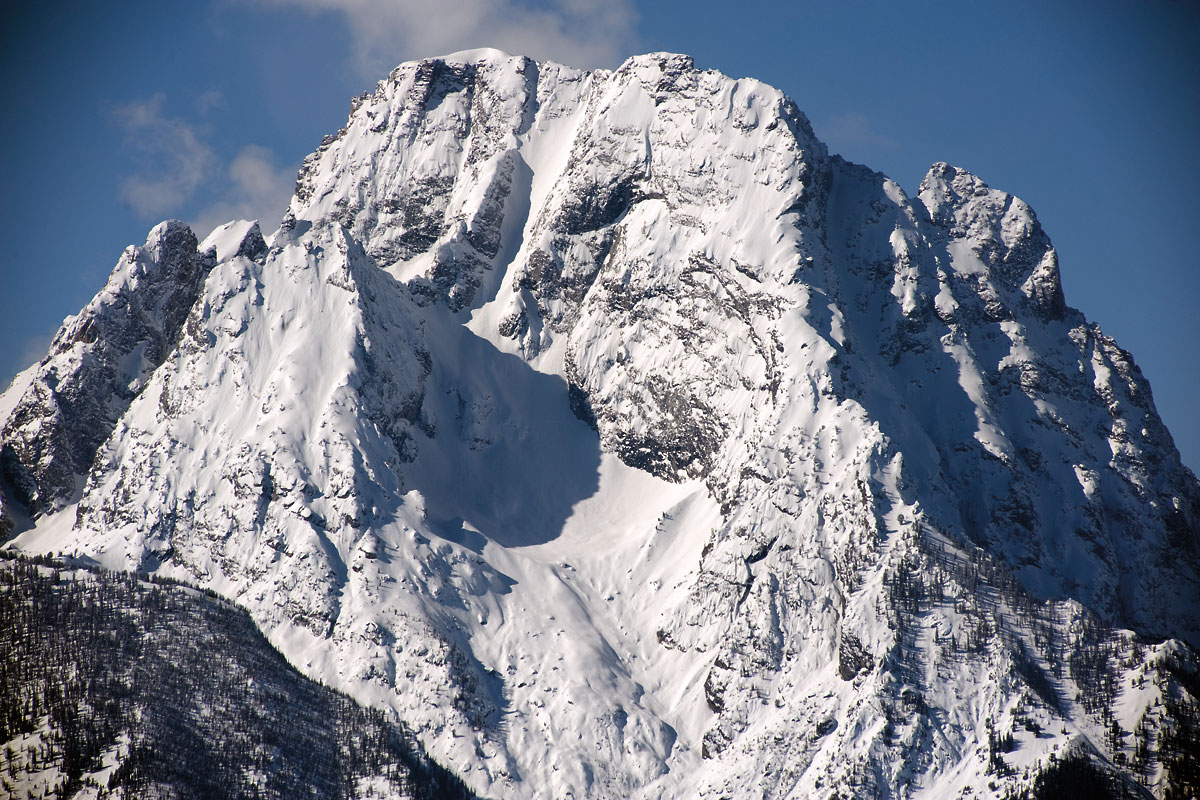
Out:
{"x": 626, "y": 443}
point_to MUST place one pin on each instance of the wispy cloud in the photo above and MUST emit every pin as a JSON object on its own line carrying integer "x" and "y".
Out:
{"x": 33, "y": 350}
{"x": 174, "y": 161}
{"x": 578, "y": 32}
{"x": 178, "y": 170}
{"x": 209, "y": 100}
{"x": 853, "y": 129}
{"x": 257, "y": 189}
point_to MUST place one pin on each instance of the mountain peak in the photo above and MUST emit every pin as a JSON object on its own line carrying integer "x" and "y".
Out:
{"x": 476, "y": 56}
{"x": 624, "y": 443}
{"x": 1008, "y": 244}
{"x": 661, "y": 61}
{"x": 236, "y": 238}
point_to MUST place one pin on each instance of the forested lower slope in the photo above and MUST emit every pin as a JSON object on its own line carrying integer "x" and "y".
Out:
{"x": 113, "y": 686}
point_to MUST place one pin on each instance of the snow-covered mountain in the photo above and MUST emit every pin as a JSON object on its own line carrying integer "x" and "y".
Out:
{"x": 626, "y": 443}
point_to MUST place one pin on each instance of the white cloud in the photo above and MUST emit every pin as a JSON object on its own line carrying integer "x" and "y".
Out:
{"x": 174, "y": 160}
{"x": 581, "y": 33}
{"x": 257, "y": 189}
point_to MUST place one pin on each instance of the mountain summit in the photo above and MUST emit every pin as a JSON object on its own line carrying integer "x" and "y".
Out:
{"x": 627, "y": 443}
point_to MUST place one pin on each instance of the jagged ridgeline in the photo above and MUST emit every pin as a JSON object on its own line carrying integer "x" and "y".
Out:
{"x": 624, "y": 442}
{"x": 115, "y": 686}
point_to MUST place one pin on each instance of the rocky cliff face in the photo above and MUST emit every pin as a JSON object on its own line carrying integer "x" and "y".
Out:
{"x": 663, "y": 453}
{"x": 98, "y": 362}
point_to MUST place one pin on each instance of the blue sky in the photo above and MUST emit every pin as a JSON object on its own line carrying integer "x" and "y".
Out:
{"x": 118, "y": 115}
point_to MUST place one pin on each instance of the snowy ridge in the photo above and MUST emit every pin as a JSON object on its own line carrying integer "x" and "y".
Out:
{"x": 627, "y": 443}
